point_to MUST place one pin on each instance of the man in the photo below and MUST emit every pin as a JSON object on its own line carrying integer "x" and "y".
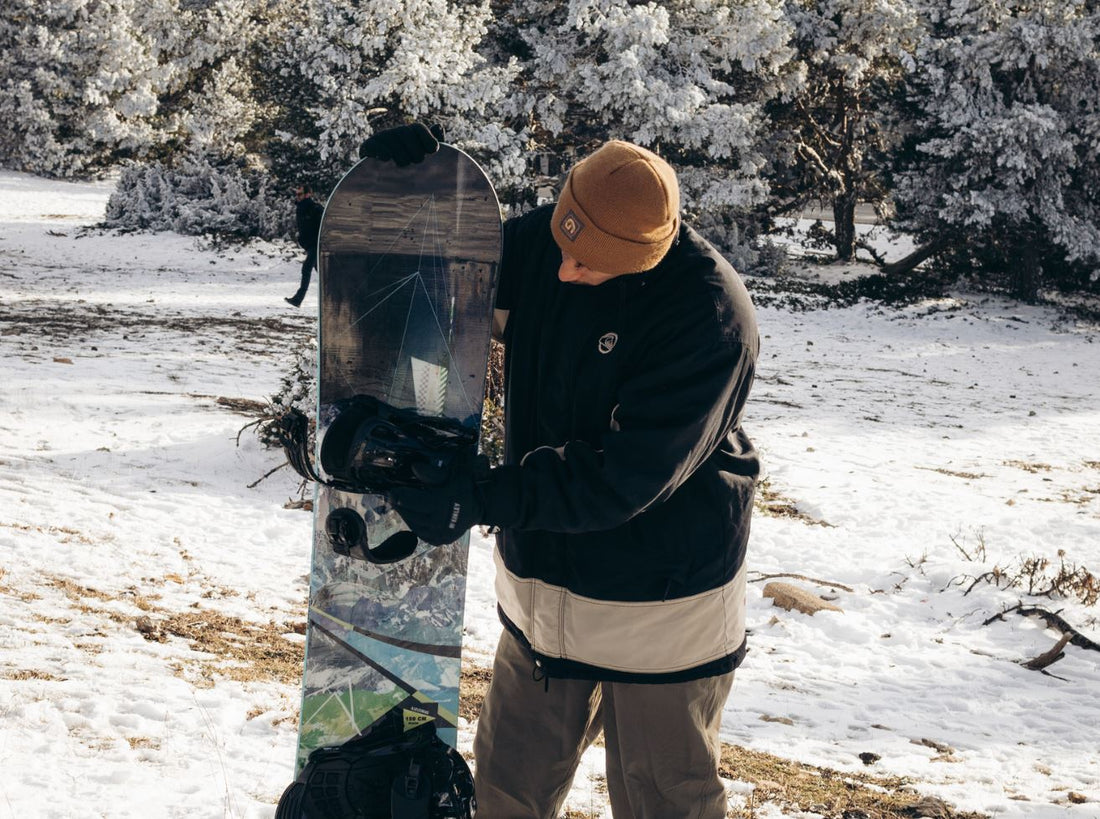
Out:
{"x": 624, "y": 498}
{"x": 308, "y": 216}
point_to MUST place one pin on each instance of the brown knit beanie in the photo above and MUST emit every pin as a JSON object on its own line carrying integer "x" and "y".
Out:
{"x": 619, "y": 211}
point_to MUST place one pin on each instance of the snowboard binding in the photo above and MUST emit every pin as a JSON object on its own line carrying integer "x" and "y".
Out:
{"x": 368, "y": 448}
{"x": 371, "y": 446}
{"x": 390, "y": 773}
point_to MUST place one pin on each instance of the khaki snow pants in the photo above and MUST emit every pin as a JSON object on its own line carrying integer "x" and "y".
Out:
{"x": 661, "y": 742}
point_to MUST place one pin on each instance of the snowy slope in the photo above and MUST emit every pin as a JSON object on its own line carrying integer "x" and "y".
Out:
{"x": 148, "y": 593}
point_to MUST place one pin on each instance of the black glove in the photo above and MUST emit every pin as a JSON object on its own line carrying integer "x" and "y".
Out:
{"x": 442, "y": 514}
{"x": 404, "y": 144}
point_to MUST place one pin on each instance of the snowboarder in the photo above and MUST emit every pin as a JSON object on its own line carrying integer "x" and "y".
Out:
{"x": 308, "y": 216}
{"x": 624, "y": 500}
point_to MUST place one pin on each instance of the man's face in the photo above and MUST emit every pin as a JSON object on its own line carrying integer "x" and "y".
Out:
{"x": 300, "y": 193}
{"x": 573, "y": 272}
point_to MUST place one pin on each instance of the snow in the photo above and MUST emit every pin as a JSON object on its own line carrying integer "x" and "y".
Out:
{"x": 921, "y": 446}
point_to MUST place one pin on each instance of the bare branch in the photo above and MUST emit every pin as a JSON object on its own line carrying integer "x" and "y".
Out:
{"x": 266, "y": 475}
{"x": 819, "y": 582}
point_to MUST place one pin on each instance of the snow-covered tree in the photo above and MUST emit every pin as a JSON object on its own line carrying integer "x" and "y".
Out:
{"x": 1005, "y": 173}
{"x": 86, "y": 84}
{"x": 685, "y": 78}
{"x": 340, "y": 70}
{"x": 198, "y": 195}
{"x": 207, "y": 173}
{"x": 81, "y": 81}
{"x": 837, "y": 130}
{"x": 213, "y": 109}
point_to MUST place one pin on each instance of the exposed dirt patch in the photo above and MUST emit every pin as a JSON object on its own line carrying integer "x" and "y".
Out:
{"x": 1028, "y": 466}
{"x": 952, "y": 473}
{"x": 238, "y": 649}
{"x": 472, "y": 688}
{"x": 825, "y": 791}
{"x": 18, "y": 674}
{"x": 772, "y": 503}
{"x": 79, "y": 322}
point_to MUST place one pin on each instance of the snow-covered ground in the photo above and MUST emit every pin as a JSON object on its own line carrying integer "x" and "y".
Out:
{"x": 920, "y": 448}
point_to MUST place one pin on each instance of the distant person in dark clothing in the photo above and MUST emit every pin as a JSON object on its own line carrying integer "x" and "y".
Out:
{"x": 308, "y": 216}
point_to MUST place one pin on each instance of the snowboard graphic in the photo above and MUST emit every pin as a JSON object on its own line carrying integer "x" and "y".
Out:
{"x": 407, "y": 265}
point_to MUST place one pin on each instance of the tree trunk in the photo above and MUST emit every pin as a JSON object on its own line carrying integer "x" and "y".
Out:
{"x": 1026, "y": 274}
{"x": 908, "y": 263}
{"x": 844, "y": 226}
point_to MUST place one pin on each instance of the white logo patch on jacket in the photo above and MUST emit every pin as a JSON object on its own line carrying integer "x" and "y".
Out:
{"x": 608, "y": 342}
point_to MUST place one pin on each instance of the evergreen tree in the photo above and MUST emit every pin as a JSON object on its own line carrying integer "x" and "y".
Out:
{"x": 81, "y": 81}
{"x": 341, "y": 70}
{"x": 206, "y": 173}
{"x": 684, "y": 78}
{"x": 212, "y": 109}
{"x": 837, "y": 131}
{"x": 1005, "y": 172}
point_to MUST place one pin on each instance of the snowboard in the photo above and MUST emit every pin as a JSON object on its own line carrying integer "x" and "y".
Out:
{"x": 407, "y": 265}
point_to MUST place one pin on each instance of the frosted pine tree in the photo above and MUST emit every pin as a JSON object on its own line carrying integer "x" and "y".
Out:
{"x": 685, "y": 78}
{"x": 209, "y": 174}
{"x": 343, "y": 70}
{"x": 1005, "y": 174}
{"x": 837, "y": 131}
{"x": 81, "y": 81}
{"x": 213, "y": 109}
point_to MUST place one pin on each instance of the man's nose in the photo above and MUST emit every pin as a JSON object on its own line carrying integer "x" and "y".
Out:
{"x": 569, "y": 271}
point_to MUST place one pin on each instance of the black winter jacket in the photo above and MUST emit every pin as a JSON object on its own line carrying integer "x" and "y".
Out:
{"x": 308, "y": 216}
{"x": 628, "y": 482}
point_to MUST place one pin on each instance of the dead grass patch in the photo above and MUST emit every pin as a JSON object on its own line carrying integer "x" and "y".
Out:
{"x": 953, "y": 473}
{"x": 1075, "y": 497}
{"x": 23, "y": 674}
{"x": 63, "y": 534}
{"x": 241, "y": 650}
{"x": 234, "y": 648}
{"x": 1027, "y": 466}
{"x": 472, "y": 687}
{"x": 79, "y": 595}
{"x": 771, "y": 503}
{"x": 19, "y": 594}
{"x": 77, "y": 322}
{"x": 821, "y": 790}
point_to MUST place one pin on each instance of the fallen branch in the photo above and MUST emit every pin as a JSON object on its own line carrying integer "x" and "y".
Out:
{"x": 840, "y": 586}
{"x": 910, "y": 262}
{"x": 863, "y": 244}
{"x": 1053, "y": 620}
{"x": 1049, "y": 657}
